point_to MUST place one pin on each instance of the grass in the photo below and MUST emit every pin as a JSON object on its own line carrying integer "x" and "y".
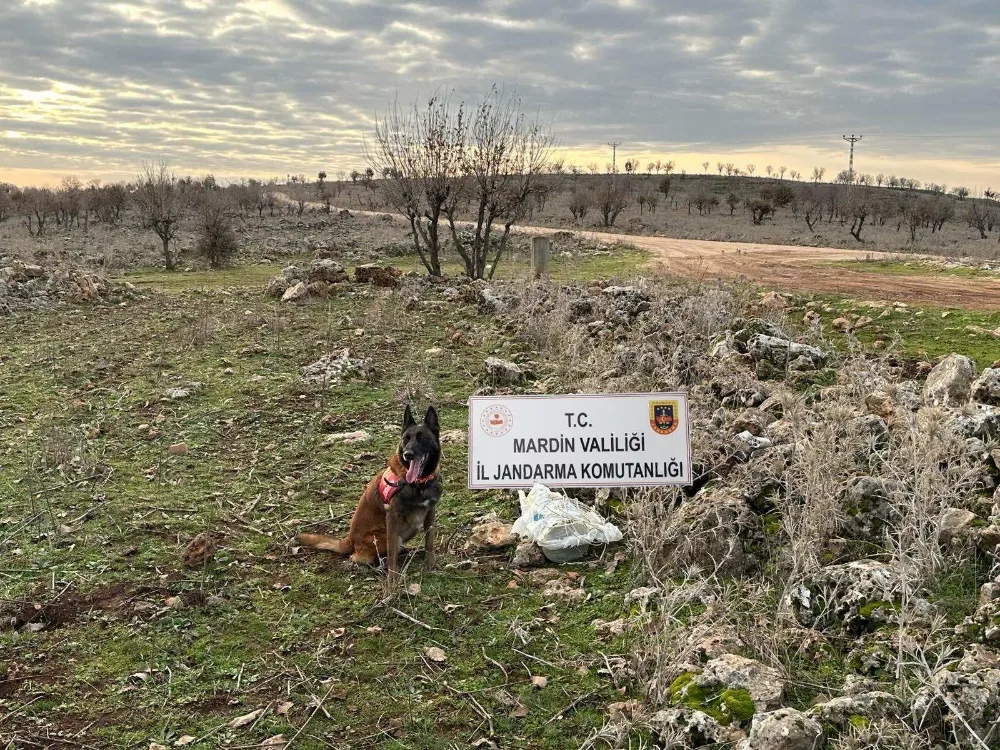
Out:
{"x": 913, "y": 268}
{"x": 921, "y": 333}
{"x": 138, "y": 649}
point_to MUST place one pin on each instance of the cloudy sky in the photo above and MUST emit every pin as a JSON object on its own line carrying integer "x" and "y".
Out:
{"x": 271, "y": 87}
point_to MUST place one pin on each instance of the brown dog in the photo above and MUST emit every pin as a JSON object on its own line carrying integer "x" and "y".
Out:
{"x": 397, "y": 502}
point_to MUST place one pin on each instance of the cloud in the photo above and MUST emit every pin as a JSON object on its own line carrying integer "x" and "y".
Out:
{"x": 268, "y": 87}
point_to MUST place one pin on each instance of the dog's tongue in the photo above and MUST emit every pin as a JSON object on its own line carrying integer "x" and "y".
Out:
{"x": 415, "y": 469}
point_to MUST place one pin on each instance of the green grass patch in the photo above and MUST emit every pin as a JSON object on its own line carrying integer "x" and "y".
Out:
{"x": 913, "y": 268}
{"x": 135, "y": 648}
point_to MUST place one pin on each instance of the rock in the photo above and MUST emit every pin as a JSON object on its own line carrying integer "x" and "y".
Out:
{"x": 718, "y": 532}
{"x": 840, "y": 712}
{"x": 859, "y": 595}
{"x": 869, "y": 508}
{"x": 683, "y": 727}
{"x": 357, "y": 437}
{"x": 881, "y": 404}
{"x": 628, "y": 301}
{"x": 503, "y": 372}
{"x": 862, "y": 322}
{"x": 783, "y": 353}
{"x": 733, "y": 672}
{"x": 841, "y": 324}
{"x": 277, "y": 286}
{"x": 332, "y": 368}
{"x": 986, "y": 389}
{"x": 296, "y": 292}
{"x": 950, "y": 382}
{"x": 563, "y": 588}
{"x": 981, "y": 422}
{"x": 772, "y": 301}
{"x": 784, "y": 729}
{"x": 488, "y": 301}
{"x": 953, "y": 522}
{"x": 956, "y": 701}
{"x": 622, "y": 711}
{"x": 383, "y": 276}
{"x": 490, "y": 535}
{"x": 177, "y": 449}
{"x": 528, "y": 555}
{"x": 328, "y": 271}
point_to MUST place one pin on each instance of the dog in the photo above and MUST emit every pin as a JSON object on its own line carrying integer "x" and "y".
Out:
{"x": 397, "y": 502}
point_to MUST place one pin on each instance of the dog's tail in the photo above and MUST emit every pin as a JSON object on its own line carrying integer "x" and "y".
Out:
{"x": 324, "y": 542}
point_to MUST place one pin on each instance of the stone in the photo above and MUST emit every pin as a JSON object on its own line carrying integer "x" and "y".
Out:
{"x": 981, "y": 422}
{"x": 490, "y": 535}
{"x": 503, "y": 372}
{"x": 773, "y": 301}
{"x": 296, "y": 292}
{"x": 950, "y": 382}
{"x": 382, "y": 276}
{"x": 860, "y": 596}
{"x": 784, "y": 729}
{"x": 986, "y": 389}
{"x": 693, "y": 728}
{"x": 177, "y": 449}
{"x": 734, "y": 672}
{"x": 839, "y": 712}
{"x": 841, "y": 324}
{"x": 782, "y": 353}
{"x": 357, "y": 437}
{"x": 953, "y": 522}
{"x": 528, "y": 555}
{"x": 277, "y": 286}
{"x": 717, "y": 533}
{"x": 327, "y": 270}
{"x": 862, "y": 322}
{"x": 956, "y": 701}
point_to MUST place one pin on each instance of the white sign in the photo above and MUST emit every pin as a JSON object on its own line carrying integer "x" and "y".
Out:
{"x": 601, "y": 440}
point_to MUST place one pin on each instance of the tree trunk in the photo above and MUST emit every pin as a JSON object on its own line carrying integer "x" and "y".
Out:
{"x": 167, "y": 257}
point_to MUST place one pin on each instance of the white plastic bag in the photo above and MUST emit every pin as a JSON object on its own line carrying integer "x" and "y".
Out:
{"x": 556, "y": 522}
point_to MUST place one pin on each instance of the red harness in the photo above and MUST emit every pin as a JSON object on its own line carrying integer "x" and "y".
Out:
{"x": 389, "y": 484}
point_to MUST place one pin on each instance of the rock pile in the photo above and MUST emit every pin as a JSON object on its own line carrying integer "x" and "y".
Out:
{"x": 322, "y": 276}
{"x": 25, "y": 286}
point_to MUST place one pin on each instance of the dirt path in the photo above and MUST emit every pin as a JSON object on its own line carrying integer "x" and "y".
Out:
{"x": 799, "y": 268}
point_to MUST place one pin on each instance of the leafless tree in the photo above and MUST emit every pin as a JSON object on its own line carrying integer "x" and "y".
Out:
{"x": 858, "y": 210}
{"x": 818, "y": 173}
{"x": 652, "y": 201}
{"x": 704, "y": 166}
{"x": 769, "y": 169}
{"x": 732, "y": 200}
{"x": 720, "y": 166}
{"x": 811, "y": 208}
{"x": 6, "y": 201}
{"x": 580, "y": 202}
{"x": 161, "y": 204}
{"x": 880, "y": 178}
{"x": 751, "y": 168}
{"x": 759, "y": 209}
{"x": 35, "y": 206}
{"x": 422, "y": 150}
{"x": 611, "y": 199}
{"x": 980, "y": 216}
{"x": 730, "y": 168}
{"x": 781, "y": 172}
{"x": 961, "y": 192}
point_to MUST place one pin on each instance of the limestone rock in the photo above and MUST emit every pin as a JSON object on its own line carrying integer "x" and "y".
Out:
{"x": 784, "y": 729}
{"x": 950, "y": 382}
{"x": 986, "y": 389}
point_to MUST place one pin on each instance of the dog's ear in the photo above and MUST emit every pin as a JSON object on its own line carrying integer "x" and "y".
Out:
{"x": 431, "y": 420}
{"x": 408, "y": 420}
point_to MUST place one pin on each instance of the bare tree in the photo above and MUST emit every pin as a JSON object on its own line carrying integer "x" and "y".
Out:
{"x": 818, "y": 173}
{"x": 720, "y": 166}
{"x": 580, "y": 202}
{"x": 769, "y": 169}
{"x": 217, "y": 241}
{"x": 811, "y": 208}
{"x": 751, "y": 168}
{"x": 704, "y": 166}
{"x": 980, "y": 216}
{"x": 422, "y": 151}
{"x": 161, "y": 204}
{"x": 611, "y": 199}
{"x": 781, "y": 172}
{"x": 503, "y": 162}
{"x": 732, "y": 200}
{"x": 668, "y": 167}
{"x": 960, "y": 192}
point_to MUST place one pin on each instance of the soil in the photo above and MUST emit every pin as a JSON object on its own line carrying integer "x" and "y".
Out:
{"x": 804, "y": 269}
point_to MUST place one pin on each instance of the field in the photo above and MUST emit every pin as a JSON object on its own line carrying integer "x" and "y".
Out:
{"x": 130, "y": 428}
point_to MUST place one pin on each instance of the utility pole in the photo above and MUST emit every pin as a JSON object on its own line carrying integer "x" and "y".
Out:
{"x": 852, "y": 139}
{"x": 614, "y": 155}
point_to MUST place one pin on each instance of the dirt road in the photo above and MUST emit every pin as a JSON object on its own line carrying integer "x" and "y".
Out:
{"x": 802, "y": 269}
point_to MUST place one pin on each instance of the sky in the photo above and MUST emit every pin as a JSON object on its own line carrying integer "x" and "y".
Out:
{"x": 266, "y": 88}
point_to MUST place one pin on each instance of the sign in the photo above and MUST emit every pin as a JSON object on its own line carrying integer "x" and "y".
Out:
{"x": 601, "y": 440}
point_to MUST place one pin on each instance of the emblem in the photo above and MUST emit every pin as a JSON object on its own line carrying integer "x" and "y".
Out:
{"x": 663, "y": 416}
